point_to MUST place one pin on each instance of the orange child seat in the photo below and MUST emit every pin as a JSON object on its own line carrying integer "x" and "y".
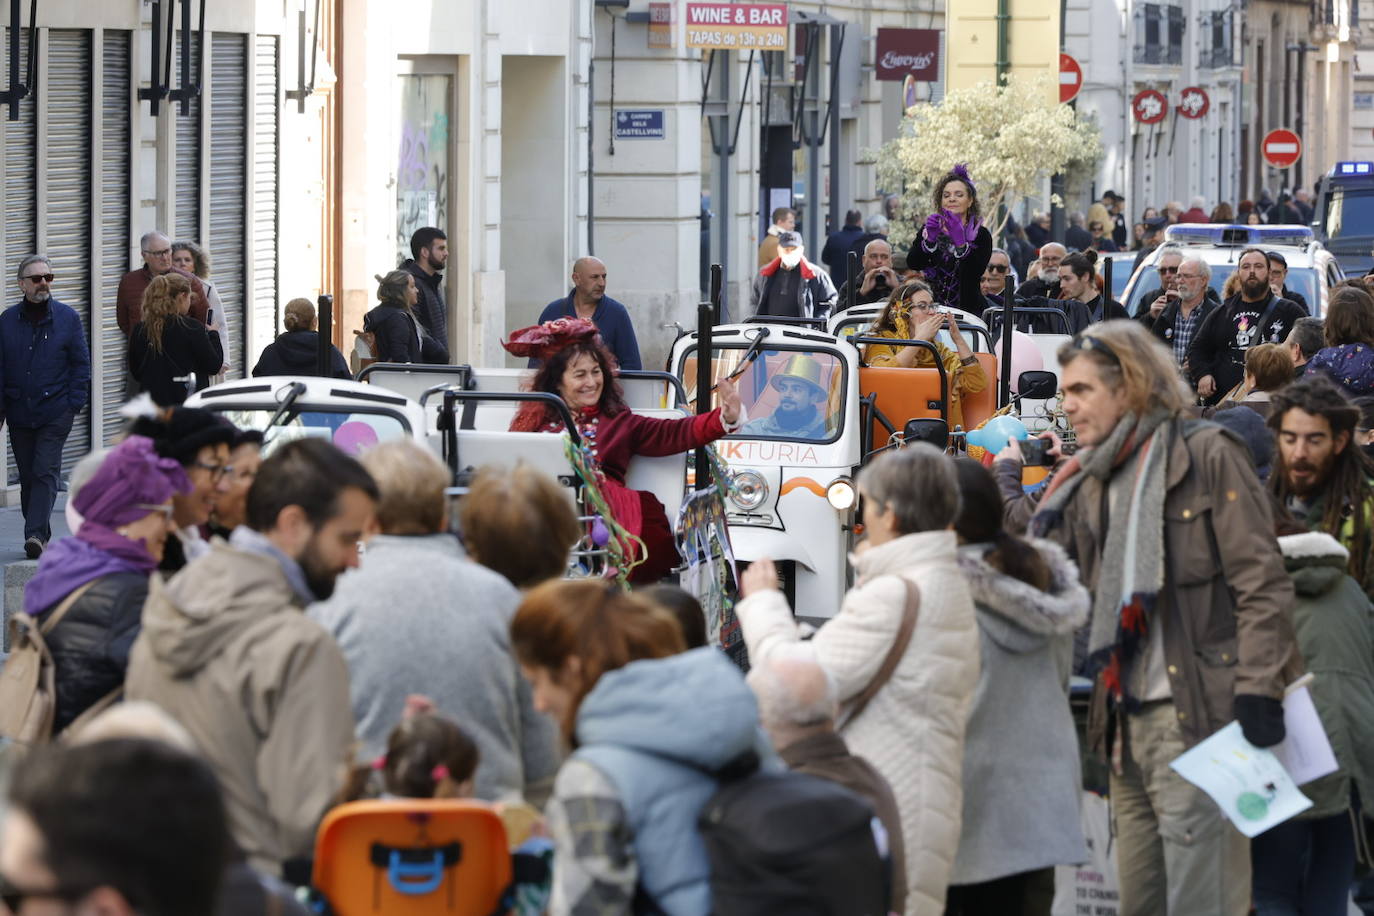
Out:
{"x": 415, "y": 857}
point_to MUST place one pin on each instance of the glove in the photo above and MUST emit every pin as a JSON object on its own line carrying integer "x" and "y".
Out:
{"x": 933, "y": 225}
{"x": 1261, "y": 719}
{"x": 954, "y": 228}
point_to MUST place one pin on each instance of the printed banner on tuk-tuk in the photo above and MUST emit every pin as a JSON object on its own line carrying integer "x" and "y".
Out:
{"x": 703, "y": 541}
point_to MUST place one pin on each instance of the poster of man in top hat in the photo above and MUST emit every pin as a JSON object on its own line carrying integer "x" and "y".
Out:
{"x": 799, "y": 414}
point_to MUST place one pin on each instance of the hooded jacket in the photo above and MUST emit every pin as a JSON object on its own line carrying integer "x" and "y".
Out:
{"x": 816, "y": 293}
{"x": 913, "y": 729}
{"x": 297, "y": 353}
{"x": 1020, "y": 731}
{"x": 1334, "y": 621}
{"x": 652, "y": 733}
{"x": 262, "y": 689}
{"x": 401, "y": 338}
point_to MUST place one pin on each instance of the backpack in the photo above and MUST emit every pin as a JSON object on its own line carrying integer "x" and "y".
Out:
{"x": 28, "y": 689}
{"x": 789, "y": 844}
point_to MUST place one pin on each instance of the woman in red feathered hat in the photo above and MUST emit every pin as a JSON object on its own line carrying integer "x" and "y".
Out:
{"x": 577, "y": 367}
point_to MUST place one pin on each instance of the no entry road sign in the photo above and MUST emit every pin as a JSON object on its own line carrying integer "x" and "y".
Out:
{"x": 1281, "y": 148}
{"x": 1070, "y": 78}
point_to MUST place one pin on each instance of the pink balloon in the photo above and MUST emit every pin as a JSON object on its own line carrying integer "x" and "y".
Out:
{"x": 355, "y": 436}
{"x": 1025, "y": 356}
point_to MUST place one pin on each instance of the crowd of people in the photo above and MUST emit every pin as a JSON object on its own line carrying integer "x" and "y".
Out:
{"x": 247, "y": 634}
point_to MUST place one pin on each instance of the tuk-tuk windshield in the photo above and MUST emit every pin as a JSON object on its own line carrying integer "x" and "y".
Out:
{"x": 351, "y": 432}
{"x": 787, "y": 394}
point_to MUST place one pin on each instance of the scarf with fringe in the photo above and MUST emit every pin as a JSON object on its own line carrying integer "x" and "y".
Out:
{"x": 1132, "y": 463}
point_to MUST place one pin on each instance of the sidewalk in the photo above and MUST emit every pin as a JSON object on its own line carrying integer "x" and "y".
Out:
{"x": 19, "y": 569}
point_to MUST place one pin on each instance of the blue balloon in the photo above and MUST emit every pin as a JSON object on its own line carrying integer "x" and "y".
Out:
{"x": 998, "y": 431}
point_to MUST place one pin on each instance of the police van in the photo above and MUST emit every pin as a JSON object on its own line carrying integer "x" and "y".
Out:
{"x": 1343, "y": 215}
{"x": 1312, "y": 270}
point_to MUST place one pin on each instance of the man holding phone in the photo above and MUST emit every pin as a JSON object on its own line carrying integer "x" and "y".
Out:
{"x": 1156, "y": 300}
{"x": 877, "y": 280}
{"x": 1188, "y": 305}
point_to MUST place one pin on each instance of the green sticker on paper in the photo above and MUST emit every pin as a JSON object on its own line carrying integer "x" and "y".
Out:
{"x": 1252, "y": 806}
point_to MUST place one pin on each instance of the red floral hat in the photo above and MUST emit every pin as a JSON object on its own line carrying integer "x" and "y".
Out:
{"x": 542, "y": 341}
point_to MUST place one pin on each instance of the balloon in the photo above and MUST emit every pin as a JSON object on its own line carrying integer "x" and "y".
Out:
{"x": 997, "y": 432}
{"x": 601, "y": 535}
{"x": 354, "y": 436}
{"x": 1025, "y": 356}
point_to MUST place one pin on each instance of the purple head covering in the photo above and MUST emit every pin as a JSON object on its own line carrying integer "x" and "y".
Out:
{"x": 960, "y": 171}
{"x": 132, "y": 476}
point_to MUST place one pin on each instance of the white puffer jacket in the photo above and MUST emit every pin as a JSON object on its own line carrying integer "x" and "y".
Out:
{"x": 913, "y": 730}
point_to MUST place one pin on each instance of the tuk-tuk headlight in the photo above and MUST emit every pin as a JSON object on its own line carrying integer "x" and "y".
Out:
{"x": 840, "y": 494}
{"x": 748, "y": 490}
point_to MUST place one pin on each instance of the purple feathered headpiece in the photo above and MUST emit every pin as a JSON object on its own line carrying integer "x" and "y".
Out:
{"x": 960, "y": 171}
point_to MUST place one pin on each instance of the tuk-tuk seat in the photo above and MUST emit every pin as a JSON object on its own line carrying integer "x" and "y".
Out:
{"x": 979, "y": 406}
{"x": 902, "y": 395}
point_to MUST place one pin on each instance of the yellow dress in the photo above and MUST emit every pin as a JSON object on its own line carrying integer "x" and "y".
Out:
{"x": 962, "y": 379}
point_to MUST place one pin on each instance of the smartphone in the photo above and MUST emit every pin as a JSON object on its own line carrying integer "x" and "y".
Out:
{"x": 209, "y": 317}
{"x": 1172, "y": 295}
{"x": 1035, "y": 452}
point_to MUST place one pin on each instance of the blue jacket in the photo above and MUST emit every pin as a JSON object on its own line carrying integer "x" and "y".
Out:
{"x": 657, "y": 728}
{"x": 613, "y": 321}
{"x": 46, "y": 367}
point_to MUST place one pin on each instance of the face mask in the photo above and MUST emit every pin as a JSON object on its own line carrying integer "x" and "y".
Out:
{"x": 790, "y": 259}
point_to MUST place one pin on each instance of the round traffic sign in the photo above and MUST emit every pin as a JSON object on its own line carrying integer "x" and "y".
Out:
{"x": 1281, "y": 148}
{"x": 1149, "y": 106}
{"x": 1193, "y": 102}
{"x": 1070, "y": 78}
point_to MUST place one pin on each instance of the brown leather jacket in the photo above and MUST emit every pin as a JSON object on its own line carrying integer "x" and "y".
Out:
{"x": 1227, "y": 602}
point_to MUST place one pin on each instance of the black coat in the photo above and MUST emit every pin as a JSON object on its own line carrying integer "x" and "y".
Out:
{"x": 90, "y": 644}
{"x": 187, "y": 346}
{"x": 401, "y": 338}
{"x": 968, "y": 270}
{"x": 296, "y": 353}
{"x": 1163, "y": 326}
{"x": 430, "y": 309}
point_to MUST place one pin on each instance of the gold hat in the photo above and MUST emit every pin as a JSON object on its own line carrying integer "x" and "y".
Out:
{"x": 803, "y": 368}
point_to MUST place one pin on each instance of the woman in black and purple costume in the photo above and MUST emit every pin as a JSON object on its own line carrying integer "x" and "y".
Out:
{"x": 953, "y": 247}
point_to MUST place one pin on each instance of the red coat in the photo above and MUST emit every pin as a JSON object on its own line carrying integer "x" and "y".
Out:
{"x": 613, "y": 442}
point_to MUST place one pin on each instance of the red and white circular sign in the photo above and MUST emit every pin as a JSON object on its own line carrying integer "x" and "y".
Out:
{"x": 1193, "y": 102}
{"x": 1070, "y": 78}
{"x": 1149, "y": 106}
{"x": 1281, "y": 148}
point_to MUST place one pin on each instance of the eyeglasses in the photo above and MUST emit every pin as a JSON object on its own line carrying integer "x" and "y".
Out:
{"x": 216, "y": 470}
{"x": 998, "y": 268}
{"x": 165, "y": 508}
{"x": 158, "y": 254}
{"x": 39, "y": 278}
{"x": 1168, "y": 270}
{"x": 1089, "y": 342}
{"x": 922, "y": 307}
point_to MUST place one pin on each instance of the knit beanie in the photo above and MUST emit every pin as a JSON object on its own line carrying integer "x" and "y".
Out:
{"x": 1249, "y": 426}
{"x": 185, "y": 432}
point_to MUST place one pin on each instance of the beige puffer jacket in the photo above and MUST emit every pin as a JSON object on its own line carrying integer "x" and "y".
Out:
{"x": 913, "y": 730}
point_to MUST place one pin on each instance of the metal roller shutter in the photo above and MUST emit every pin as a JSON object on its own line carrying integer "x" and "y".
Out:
{"x": 20, "y": 200}
{"x": 229, "y": 181}
{"x": 188, "y": 164}
{"x": 114, "y": 221}
{"x": 67, "y": 156}
{"x": 266, "y": 125}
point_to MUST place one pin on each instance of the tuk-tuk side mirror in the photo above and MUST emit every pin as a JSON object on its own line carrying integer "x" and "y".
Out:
{"x": 1037, "y": 384}
{"x": 927, "y": 429}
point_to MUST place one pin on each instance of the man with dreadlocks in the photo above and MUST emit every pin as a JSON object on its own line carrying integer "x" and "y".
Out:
{"x": 1190, "y": 620}
{"x": 1321, "y": 475}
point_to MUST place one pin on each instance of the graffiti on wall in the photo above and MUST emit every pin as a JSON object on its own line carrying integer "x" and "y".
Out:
{"x": 423, "y": 167}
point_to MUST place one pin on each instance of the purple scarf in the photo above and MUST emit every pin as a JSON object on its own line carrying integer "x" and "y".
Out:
{"x": 71, "y": 562}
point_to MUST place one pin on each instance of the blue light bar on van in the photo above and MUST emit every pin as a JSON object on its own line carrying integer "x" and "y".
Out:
{"x": 1353, "y": 168}
{"x": 1221, "y": 235}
